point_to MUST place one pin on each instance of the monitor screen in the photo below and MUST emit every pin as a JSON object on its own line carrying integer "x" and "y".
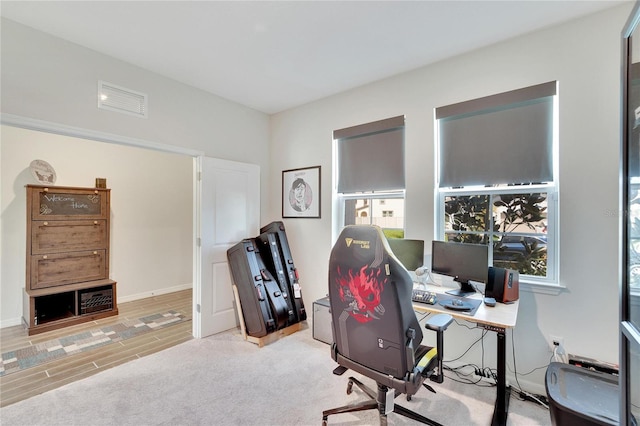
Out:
{"x": 409, "y": 252}
{"x": 462, "y": 261}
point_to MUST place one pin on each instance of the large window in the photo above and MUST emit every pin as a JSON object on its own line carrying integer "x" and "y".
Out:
{"x": 496, "y": 178}
{"x": 370, "y": 175}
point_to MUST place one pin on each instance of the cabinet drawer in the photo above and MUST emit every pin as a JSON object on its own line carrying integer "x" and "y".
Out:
{"x": 68, "y": 203}
{"x": 68, "y": 235}
{"x": 65, "y": 268}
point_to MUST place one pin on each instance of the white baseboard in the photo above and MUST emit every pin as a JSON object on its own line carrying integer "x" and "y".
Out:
{"x": 11, "y": 322}
{"x": 138, "y": 296}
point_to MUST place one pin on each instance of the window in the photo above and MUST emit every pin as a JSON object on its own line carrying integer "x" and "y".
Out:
{"x": 514, "y": 223}
{"x": 370, "y": 175}
{"x": 496, "y": 179}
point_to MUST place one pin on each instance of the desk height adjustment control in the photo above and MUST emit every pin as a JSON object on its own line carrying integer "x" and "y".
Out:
{"x": 492, "y": 327}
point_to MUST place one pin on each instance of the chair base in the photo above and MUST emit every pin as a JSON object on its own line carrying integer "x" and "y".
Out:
{"x": 376, "y": 402}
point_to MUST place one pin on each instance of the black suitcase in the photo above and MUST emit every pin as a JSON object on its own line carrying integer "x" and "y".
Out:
{"x": 291, "y": 273}
{"x": 262, "y": 303}
{"x": 270, "y": 253}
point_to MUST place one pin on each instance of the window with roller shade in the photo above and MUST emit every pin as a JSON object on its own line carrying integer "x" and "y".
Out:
{"x": 496, "y": 180}
{"x": 370, "y": 175}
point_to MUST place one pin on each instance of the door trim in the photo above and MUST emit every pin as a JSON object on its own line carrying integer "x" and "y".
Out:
{"x": 78, "y": 132}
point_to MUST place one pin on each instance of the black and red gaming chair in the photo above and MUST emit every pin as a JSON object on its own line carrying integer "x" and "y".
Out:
{"x": 375, "y": 329}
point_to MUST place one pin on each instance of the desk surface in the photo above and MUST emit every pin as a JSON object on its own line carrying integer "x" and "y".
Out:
{"x": 502, "y": 315}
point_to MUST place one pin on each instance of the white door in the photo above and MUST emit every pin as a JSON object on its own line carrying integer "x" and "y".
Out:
{"x": 228, "y": 210}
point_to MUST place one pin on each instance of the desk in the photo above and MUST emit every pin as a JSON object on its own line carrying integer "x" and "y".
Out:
{"x": 497, "y": 319}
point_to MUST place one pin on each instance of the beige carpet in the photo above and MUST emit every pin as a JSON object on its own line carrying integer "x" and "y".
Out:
{"x": 224, "y": 380}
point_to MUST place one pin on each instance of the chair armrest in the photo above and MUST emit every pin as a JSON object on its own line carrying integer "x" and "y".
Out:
{"x": 439, "y": 324}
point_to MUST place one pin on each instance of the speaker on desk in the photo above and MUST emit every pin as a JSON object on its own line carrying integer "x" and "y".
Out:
{"x": 503, "y": 285}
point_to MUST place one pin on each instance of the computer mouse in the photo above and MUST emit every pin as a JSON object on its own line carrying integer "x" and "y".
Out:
{"x": 490, "y": 301}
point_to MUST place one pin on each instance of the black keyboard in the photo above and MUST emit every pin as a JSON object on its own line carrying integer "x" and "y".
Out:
{"x": 424, "y": 296}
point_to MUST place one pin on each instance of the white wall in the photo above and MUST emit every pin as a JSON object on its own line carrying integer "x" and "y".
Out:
{"x": 151, "y": 211}
{"x": 584, "y": 56}
{"x": 47, "y": 79}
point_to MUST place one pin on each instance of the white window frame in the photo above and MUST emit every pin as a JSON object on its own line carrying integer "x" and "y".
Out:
{"x": 552, "y": 220}
{"x": 552, "y": 280}
{"x": 339, "y": 199}
{"x": 342, "y": 198}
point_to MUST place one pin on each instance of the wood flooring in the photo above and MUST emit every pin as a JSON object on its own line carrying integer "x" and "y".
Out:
{"x": 24, "y": 384}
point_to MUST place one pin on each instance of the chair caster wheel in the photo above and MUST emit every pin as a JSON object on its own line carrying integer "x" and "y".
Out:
{"x": 349, "y": 387}
{"x": 408, "y": 397}
{"x": 324, "y": 422}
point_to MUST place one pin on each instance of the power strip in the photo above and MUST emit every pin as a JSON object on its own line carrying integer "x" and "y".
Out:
{"x": 486, "y": 375}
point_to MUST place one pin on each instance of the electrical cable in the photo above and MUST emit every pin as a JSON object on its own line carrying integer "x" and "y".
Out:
{"x": 559, "y": 355}
{"x": 482, "y": 347}
{"x": 466, "y": 378}
{"x": 522, "y": 393}
{"x": 469, "y": 348}
{"x": 481, "y": 372}
{"x": 474, "y": 327}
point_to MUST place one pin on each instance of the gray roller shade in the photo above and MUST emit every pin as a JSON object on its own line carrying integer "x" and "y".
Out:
{"x": 371, "y": 156}
{"x": 501, "y": 139}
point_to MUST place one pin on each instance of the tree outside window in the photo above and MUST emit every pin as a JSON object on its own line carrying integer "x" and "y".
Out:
{"x": 513, "y": 225}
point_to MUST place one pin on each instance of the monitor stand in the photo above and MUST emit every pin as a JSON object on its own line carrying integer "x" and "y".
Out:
{"x": 465, "y": 290}
{"x": 459, "y": 292}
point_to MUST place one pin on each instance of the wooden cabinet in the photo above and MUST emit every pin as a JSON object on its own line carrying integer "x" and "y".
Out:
{"x": 67, "y": 264}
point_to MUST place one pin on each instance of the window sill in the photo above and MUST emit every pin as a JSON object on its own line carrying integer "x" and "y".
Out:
{"x": 542, "y": 288}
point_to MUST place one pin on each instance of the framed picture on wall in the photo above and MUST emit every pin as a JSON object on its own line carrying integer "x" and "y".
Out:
{"x": 301, "y": 192}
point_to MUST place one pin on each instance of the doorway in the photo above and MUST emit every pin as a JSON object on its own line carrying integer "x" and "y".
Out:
{"x": 55, "y": 130}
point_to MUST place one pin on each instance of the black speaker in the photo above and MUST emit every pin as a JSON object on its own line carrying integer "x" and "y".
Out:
{"x": 503, "y": 285}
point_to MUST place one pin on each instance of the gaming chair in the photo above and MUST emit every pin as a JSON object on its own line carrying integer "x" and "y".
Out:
{"x": 375, "y": 329}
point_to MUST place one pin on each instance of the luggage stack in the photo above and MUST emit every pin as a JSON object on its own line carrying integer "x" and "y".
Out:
{"x": 267, "y": 283}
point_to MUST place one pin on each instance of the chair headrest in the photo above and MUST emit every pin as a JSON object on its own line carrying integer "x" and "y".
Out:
{"x": 363, "y": 244}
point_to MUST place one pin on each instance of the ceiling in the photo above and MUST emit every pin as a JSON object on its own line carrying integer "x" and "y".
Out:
{"x": 276, "y": 55}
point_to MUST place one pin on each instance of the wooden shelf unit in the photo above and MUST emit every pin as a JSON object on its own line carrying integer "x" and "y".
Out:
{"x": 67, "y": 262}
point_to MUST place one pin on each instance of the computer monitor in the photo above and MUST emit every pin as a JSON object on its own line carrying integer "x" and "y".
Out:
{"x": 409, "y": 252}
{"x": 463, "y": 261}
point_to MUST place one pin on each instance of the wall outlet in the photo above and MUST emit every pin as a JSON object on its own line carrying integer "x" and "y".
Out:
{"x": 556, "y": 341}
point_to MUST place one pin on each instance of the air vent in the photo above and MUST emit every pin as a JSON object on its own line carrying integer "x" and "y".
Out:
{"x": 120, "y": 99}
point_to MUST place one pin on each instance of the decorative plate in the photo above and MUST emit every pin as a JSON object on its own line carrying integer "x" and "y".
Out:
{"x": 43, "y": 172}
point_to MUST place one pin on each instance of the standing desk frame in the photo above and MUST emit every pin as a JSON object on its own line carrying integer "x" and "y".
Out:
{"x": 497, "y": 319}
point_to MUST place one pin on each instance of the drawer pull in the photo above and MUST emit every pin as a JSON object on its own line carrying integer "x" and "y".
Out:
{"x": 95, "y": 252}
{"x": 45, "y": 256}
{"x": 95, "y": 192}
{"x": 46, "y": 189}
{"x": 95, "y": 222}
{"x": 46, "y": 223}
